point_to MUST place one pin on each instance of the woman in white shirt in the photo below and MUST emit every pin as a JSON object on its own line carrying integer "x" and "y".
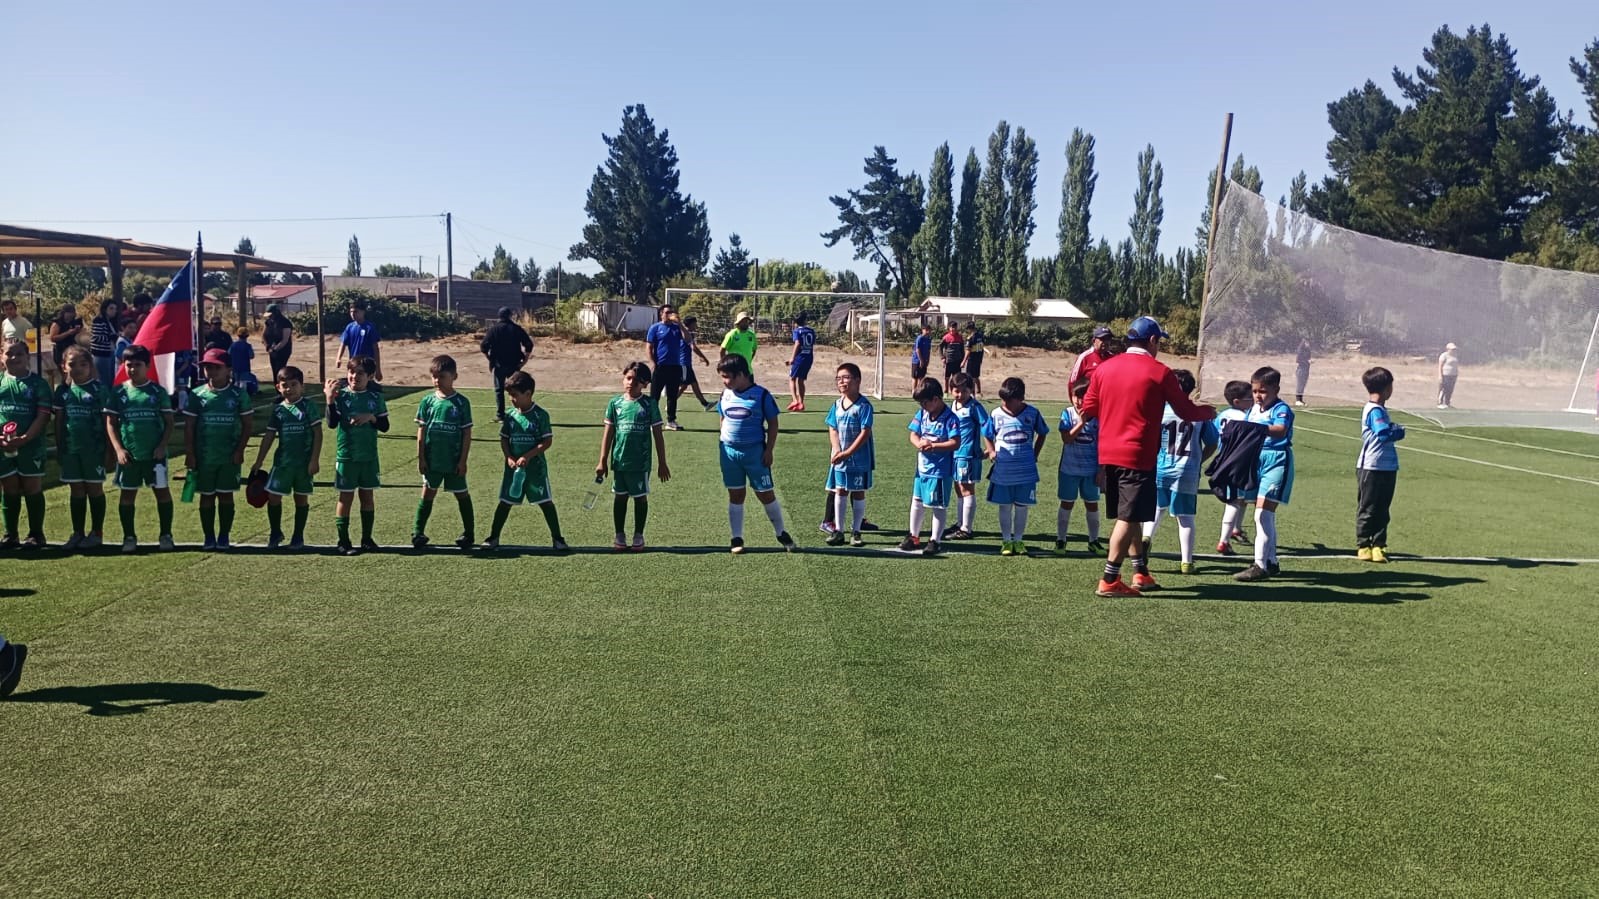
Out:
{"x": 1448, "y": 370}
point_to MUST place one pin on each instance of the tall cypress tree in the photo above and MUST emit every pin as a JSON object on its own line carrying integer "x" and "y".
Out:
{"x": 992, "y": 217}
{"x": 967, "y": 244}
{"x": 1076, "y": 193}
{"x": 937, "y": 237}
{"x": 1148, "y": 211}
{"x": 1022, "y": 177}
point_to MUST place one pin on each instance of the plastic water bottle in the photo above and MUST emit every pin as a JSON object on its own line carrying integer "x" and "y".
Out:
{"x": 592, "y": 498}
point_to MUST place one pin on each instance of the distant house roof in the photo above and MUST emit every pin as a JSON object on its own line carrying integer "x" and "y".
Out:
{"x": 995, "y": 307}
{"x": 273, "y": 293}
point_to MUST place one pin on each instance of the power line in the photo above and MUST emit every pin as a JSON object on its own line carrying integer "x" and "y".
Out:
{"x": 333, "y": 218}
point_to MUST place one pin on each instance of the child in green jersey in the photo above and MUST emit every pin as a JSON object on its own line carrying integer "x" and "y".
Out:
{"x": 525, "y": 437}
{"x": 357, "y": 411}
{"x": 138, "y": 422}
{"x": 24, "y": 411}
{"x": 443, "y": 440}
{"x": 630, "y": 420}
{"x": 297, "y": 428}
{"x": 220, "y": 418}
{"x": 81, "y": 446}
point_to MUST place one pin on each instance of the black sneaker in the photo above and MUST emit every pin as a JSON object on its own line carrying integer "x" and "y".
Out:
{"x": 868, "y": 526}
{"x": 836, "y": 538}
{"x": 909, "y": 545}
{"x": 465, "y": 541}
{"x": 1253, "y": 573}
{"x": 787, "y": 542}
{"x": 419, "y": 540}
{"x": 345, "y": 549}
{"x": 12, "y": 656}
{"x": 34, "y": 541}
{"x": 736, "y": 547}
{"x": 855, "y": 539}
{"x": 931, "y": 548}
{"x": 958, "y": 534}
{"x": 9, "y": 541}
{"x": 274, "y": 540}
{"x": 559, "y": 545}
{"x": 368, "y": 545}
{"x": 1273, "y": 568}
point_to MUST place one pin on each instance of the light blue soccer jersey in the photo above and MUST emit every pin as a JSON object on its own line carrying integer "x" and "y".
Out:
{"x": 1278, "y": 414}
{"x": 1227, "y": 416}
{"x": 937, "y": 429}
{"x": 744, "y": 415}
{"x": 1377, "y": 436}
{"x": 1181, "y": 450}
{"x": 849, "y": 420}
{"x": 973, "y": 418}
{"x": 1080, "y": 457}
{"x": 1013, "y": 436}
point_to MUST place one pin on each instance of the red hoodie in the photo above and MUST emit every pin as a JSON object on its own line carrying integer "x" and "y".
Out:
{"x": 1128, "y": 393}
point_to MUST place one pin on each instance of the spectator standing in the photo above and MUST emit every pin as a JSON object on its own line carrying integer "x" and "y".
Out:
{"x": 360, "y": 338}
{"x": 277, "y": 335}
{"x": 1301, "y": 371}
{"x": 507, "y": 346}
{"x": 1448, "y": 371}
{"x": 1088, "y": 360}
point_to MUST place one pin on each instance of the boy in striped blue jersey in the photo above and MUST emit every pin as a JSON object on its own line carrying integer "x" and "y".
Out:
{"x": 1015, "y": 432}
{"x": 1378, "y": 468}
{"x": 849, "y": 476}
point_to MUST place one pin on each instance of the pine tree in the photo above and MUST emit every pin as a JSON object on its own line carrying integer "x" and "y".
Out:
{"x": 731, "y": 270}
{"x": 992, "y": 214}
{"x": 1076, "y": 194}
{"x": 881, "y": 220}
{"x": 968, "y": 246}
{"x": 937, "y": 235}
{"x": 1022, "y": 181}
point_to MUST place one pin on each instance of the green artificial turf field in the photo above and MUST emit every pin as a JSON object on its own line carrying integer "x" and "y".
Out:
{"x": 832, "y": 723}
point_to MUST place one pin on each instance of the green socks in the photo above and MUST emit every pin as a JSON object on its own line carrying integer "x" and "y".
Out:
{"x": 501, "y": 512}
{"x": 619, "y": 513}
{"x": 468, "y": 516}
{"x": 80, "y": 513}
{"x": 550, "y": 519}
{"x": 125, "y": 512}
{"x": 367, "y": 517}
{"x": 341, "y": 524}
{"x": 208, "y": 522}
{"x": 97, "y": 513}
{"x": 163, "y": 513}
{"x": 301, "y": 513}
{"x": 424, "y": 510}
{"x": 275, "y": 518}
{"x": 11, "y": 506}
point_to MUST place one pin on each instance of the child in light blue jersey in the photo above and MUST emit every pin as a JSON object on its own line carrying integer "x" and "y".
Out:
{"x": 1378, "y": 469}
{"x": 1276, "y": 469}
{"x": 1016, "y": 433}
{"x": 1079, "y": 469}
{"x": 1232, "y": 513}
{"x": 935, "y": 432}
{"x": 849, "y": 476}
{"x": 1184, "y": 445}
{"x": 968, "y": 456}
{"x": 749, "y": 434}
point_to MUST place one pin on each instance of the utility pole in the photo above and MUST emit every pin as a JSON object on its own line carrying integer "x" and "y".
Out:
{"x": 419, "y": 265}
{"x": 449, "y": 262}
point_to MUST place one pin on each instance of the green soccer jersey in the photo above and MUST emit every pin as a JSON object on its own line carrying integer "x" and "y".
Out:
{"x": 444, "y": 420}
{"x": 295, "y": 425}
{"x": 525, "y": 430}
{"x": 22, "y": 400}
{"x": 217, "y": 417}
{"x": 359, "y": 443}
{"x": 140, "y": 415}
{"x": 634, "y": 422}
{"x": 82, "y": 409}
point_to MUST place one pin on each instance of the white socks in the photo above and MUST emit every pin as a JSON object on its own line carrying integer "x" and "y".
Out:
{"x": 916, "y": 517}
{"x": 1230, "y": 514}
{"x": 940, "y": 516}
{"x": 1150, "y": 527}
{"x": 968, "y": 512}
{"x": 860, "y": 514}
{"x": 1093, "y": 524}
{"x": 774, "y": 514}
{"x": 1004, "y": 521}
{"x": 735, "y": 519}
{"x": 1018, "y": 524}
{"x": 1265, "y": 537}
{"x": 1063, "y": 521}
{"x": 840, "y": 505}
{"x": 1185, "y": 536}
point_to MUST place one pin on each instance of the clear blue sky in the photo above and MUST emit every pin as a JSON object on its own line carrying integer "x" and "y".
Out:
{"x": 494, "y": 110}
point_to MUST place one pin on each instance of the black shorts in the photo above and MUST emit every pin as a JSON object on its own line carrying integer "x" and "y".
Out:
{"x": 974, "y": 365}
{"x": 1129, "y": 493}
{"x": 918, "y": 371}
{"x": 951, "y": 369}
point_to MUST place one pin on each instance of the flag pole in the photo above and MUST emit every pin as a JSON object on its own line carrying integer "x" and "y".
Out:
{"x": 195, "y": 293}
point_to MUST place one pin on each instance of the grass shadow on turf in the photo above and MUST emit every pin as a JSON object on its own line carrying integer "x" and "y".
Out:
{"x": 1371, "y": 586}
{"x": 108, "y": 700}
{"x": 14, "y": 592}
{"x": 1321, "y": 550}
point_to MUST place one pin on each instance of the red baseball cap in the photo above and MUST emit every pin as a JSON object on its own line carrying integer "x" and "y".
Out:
{"x": 215, "y": 356}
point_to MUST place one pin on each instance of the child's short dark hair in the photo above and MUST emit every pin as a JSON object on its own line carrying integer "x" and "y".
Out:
{"x": 520, "y": 382}
{"x": 930, "y": 390}
{"x": 358, "y": 304}
{"x": 290, "y": 373}
{"x": 1235, "y": 391}
{"x": 733, "y": 365}
{"x": 962, "y": 380}
{"x": 1013, "y": 389}
{"x": 1080, "y": 389}
{"x": 639, "y": 371}
{"x": 1377, "y": 379}
{"x": 1267, "y": 376}
{"x": 799, "y": 318}
{"x": 136, "y": 353}
{"x": 242, "y": 333}
{"x": 1185, "y": 379}
{"x": 364, "y": 364}
{"x": 853, "y": 369}
{"x": 692, "y": 321}
{"x": 971, "y": 324}
{"x": 441, "y": 365}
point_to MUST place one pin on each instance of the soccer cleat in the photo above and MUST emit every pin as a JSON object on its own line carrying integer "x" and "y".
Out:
{"x": 297, "y": 543}
{"x": 1097, "y": 547}
{"x": 787, "y": 542}
{"x": 909, "y": 544}
{"x": 1142, "y": 582}
{"x": 489, "y": 545}
{"x": 799, "y": 407}
{"x": 1060, "y": 548}
{"x": 167, "y": 543}
{"x": 1273, "y": 569}
{"x": 1238, "y": 535}
{"x": 1185, "y": 568}
{"x": 1225, "y": 549}
{"x": 130, "y": 545}
{"x": 835, "y": 539}
{"x": 1252, "y": 573}
{"x": 868, "y": 526}
{"x": 1116, "y": 589}
{"x": 826, "y": 527}
{"x": 709, "y": 405}
{"x": 855, "y": 539}
{"x": 737, "y": 546}
{"x": 9, "y": 541}
{"x": 1006, "y": 548}
{"x": 958, "y": 534}
{"x": 1379, "y": 554}
{"x": 792, "y": 407}
{"x": 673, "y": 426}
{"x": 34, "y": 542}
{"x": 931, "y": 548}
{"x": 1363, "y": 554}
{"x": 1018, "y": 547}
{"x": 208, "y": 544}
{"x": 368, "y": 545}
{"x": 464, "y": 541}
{"x": 345, "y": 549}
{"x": 419, "y": 540}
{"x": 72, "y": 542}
{"x": 619, "y": 543}
{"x": 638, "y": 543}
{"x": 274, "y": 540}
{"x": 93, "y": 541}
{"x": 558, "y": 545}
{"x": 222, "y": 541}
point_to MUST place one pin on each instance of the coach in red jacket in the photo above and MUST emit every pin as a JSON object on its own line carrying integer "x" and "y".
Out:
{"x": 1128, "y": 393}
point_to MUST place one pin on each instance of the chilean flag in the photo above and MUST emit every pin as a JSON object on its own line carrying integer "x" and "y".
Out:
{"x": 168, "y": 329}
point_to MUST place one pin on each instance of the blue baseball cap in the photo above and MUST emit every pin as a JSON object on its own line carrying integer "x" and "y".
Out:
{"x": 1145, "y": 328}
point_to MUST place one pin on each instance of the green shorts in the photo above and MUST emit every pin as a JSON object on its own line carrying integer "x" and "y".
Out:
{"x": 210, "y": 480}
{"x": 535, "y": 486}
{"x": 632, "y": 483}
{"x": 285, "y": 480}
{"x": 83, "y": 468}
{"x": 452, "y": 482}
{"x": 28, "y": 462}
{"x": 142, "y": 473}
{"x": 348, "y": 476}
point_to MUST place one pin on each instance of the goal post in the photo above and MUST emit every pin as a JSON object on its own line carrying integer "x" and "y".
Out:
{"x": 851, "y": 323}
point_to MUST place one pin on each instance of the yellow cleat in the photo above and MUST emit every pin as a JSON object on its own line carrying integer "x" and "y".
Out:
{"x": 1379, "y": 554}
{"x": 1363, "y": 554}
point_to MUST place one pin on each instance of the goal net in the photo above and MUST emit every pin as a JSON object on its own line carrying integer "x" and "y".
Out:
{"x": 845, "y": 325}
{"x": 1284, "y": 284}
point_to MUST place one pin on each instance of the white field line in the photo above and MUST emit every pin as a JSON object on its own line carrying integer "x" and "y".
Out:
{"x": 1412, "y": 449}
{"x": 1530, "y": 446}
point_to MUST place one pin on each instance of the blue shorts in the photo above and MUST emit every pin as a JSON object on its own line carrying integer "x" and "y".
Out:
{"x": 968, "y": 471}
{"x": 845, "y": 479}
{"x": 1176, "y": 502}
{"x": 1276, "y": 475}
{"x": 742, "y": 463}
{"x": 801, "y": 367}
{"x": 1013, "y": 494}
{"x": 1075, "y": 486}
{"x": 933, "y": 491}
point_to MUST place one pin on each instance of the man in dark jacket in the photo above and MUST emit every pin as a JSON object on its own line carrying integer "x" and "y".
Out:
{"x": 278, "y": 335}
{"x": 508, "y": 348}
